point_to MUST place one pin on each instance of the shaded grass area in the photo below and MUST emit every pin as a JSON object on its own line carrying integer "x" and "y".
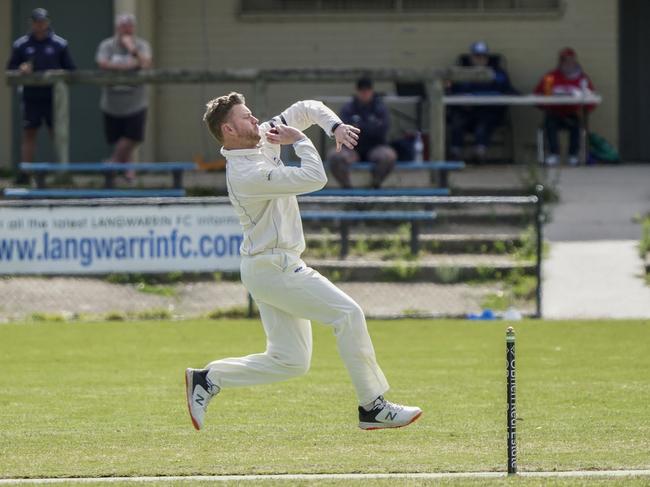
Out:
{"x": 102, "y": 399}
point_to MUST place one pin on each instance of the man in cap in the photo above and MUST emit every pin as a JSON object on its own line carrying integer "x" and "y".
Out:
{"x": 367, "y": 111}
{"x": 124, "y": 107}
{"x": 567, "y": 78}
{"x": 478, "y": 120}
{"x": 39, "y": 50}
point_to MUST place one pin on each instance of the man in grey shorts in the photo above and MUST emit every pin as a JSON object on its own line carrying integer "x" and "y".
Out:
{"x": 124, "y": 107}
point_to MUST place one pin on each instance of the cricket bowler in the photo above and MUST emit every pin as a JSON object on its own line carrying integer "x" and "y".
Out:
{"x": 288, "y": 293}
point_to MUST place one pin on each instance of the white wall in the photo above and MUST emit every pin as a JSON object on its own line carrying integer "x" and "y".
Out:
{"x": 208, "y": 34}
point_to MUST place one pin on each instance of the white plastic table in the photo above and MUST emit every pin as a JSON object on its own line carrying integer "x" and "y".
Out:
{"x": 583, "y": 99}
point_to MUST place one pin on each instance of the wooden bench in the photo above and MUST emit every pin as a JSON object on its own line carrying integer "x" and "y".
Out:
{"x": 344, "y": 218}
{"x": 109, "y": 169}
{"x": 365, "y": 192}
{"x": 29, "y": 193}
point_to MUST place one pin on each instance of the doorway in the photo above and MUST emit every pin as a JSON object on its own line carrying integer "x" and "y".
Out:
{"x": 634, "y": 80}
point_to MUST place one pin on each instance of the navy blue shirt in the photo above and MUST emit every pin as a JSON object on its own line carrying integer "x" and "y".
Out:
{"x": 49, "y": 53}
{"x": 373, "y": 120}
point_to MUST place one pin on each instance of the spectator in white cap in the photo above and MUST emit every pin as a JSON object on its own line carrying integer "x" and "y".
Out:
{"x": 124, "y": 107}
{"x": 480, "y": 121}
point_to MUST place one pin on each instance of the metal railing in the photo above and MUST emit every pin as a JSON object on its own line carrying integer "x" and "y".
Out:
{"x": 434, "y": 80}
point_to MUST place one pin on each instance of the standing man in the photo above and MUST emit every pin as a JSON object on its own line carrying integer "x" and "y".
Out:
{"x": 367, "y": 111}
{"x": 124, "y": 107}
{"x": 40, "y": 50}
{"x": 288, "y": 293}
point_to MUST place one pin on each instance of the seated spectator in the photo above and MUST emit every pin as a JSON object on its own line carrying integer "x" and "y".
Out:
{"x": 367, "y": 112}
{"x": 567, "y": 79}
{"x": 478, "y": 120}
{"x": 124, "y": 107}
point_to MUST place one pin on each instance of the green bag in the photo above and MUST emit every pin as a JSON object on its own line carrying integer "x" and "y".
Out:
{"x": 601, "y": 150}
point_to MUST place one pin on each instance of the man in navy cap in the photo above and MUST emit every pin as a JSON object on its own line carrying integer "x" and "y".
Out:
{"x": 39, "y": 50}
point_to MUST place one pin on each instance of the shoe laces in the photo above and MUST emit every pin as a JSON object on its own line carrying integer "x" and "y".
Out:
{"x": 213, "y": 389}
{"x": 381, "y": 403}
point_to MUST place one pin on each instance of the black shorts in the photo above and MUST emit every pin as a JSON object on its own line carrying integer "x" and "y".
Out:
{"x": 129, "y": 127}
{"x": 34, "y": 112}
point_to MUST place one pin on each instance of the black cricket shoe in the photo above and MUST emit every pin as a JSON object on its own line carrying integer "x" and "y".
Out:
{"x": 199, "y": 390}
{"x": 385, "y": 414}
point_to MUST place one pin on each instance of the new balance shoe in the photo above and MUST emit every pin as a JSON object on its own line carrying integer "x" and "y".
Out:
{"x": 385, "y": 414}
{"x": 200, "y": 391}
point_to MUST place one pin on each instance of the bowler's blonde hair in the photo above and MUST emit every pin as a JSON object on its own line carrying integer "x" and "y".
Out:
{"x": 218, "y": 110}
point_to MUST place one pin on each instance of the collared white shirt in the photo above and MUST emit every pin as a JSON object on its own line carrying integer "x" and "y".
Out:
{"x": 263, "y": 190}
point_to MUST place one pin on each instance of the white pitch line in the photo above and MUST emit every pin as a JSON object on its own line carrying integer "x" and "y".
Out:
{"x": 327, "y": 476}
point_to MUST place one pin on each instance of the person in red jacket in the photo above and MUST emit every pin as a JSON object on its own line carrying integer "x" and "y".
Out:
{"x": 567, "y": 79}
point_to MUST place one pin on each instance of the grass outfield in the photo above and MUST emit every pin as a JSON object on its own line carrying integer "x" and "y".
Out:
{"x": 506, "y": 482}
{"x": 107, "y": 399}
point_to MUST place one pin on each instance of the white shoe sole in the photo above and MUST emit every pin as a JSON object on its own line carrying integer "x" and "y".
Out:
{"x": 381, "y": 426}
{"x": 188, "y": 393}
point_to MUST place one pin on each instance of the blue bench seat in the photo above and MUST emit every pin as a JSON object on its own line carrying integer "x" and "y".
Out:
{"x": 382, "y": 192}
{"x": 109, "y": 169}
{"x": 414, "y": 166}
{"x": 441, "y": 167}
{"x": 30, "y": 193}
{"x": 367, "y": 215}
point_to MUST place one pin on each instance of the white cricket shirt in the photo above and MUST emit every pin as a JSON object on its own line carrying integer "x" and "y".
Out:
{"x": 263, "y": 190}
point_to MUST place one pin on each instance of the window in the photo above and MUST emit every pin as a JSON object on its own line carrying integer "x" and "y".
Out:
{"x": 480, "y": 6}
{"x": 396, "y": 7}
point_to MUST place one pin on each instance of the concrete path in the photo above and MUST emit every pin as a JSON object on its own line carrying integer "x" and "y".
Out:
{"x": 598, "y": 279}
{"x": 594, "y": 269}
{"x": 600, "y": 203}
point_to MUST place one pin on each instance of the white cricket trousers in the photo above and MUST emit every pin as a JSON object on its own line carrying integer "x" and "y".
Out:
{"x": 289, "y": 294}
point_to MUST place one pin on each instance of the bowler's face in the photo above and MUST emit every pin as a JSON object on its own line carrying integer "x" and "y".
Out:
{"x": 245, "y": 125}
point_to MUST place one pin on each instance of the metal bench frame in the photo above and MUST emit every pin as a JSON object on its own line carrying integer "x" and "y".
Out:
{"x": 344, "y": 218}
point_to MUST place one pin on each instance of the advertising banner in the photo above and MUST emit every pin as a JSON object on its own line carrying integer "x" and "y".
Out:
{"x": 121, "y": 238}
